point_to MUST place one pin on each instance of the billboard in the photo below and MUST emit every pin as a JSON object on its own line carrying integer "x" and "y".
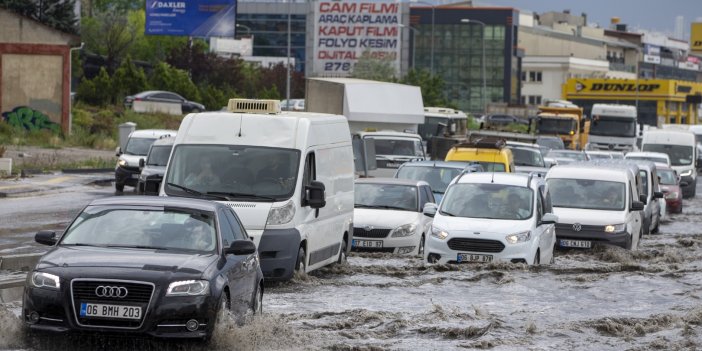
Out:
{"x": 197, "y": 18}
{"x": 696, "y": 38}
{"x": 344, "y": 32}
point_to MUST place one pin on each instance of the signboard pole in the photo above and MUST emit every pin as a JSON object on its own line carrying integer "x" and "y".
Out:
{"x": 287, "y": 71}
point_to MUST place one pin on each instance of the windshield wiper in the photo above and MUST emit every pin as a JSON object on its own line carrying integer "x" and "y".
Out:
{"x": 383, "y": 207}
{"x": 136, "y": 247}
{"x": 229, "y": 195}
{"x": 195, "y": 192}
{"x": 447, "y": 213}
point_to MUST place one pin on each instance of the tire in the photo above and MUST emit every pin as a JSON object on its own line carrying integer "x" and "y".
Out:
{"x": 223, "y": 309}
{"x": 537, "y": 258}
{"x": 257, "y": 301}
{"x": 140, "y": 189}
{"x": 420, "y": 250}
{"x": 646, "y": 228}
{"x": 657, "y": 227}
{"x": 119, "y": 187}
{"x": 342, "y": 252}
{"x": 300, "y": 265}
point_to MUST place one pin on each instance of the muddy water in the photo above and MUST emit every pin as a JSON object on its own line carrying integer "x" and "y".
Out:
{"x": 600, "y": 299}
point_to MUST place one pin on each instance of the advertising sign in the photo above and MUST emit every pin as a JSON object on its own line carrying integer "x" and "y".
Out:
{"x": 696, "y": 38}
{"x": 197, "y": 18}
{"x": 346, "y": 31}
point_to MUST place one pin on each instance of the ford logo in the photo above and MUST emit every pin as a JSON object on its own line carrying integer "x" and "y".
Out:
{"x": 119, "y": 292}
{"x": 577, "y": 227}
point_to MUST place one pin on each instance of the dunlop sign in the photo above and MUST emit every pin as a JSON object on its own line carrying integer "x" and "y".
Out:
{"x": 696, "y": 38}
{"x": 617, "y": 87}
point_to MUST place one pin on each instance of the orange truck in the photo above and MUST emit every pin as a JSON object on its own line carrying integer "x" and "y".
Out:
{"x": 566, "y": 122}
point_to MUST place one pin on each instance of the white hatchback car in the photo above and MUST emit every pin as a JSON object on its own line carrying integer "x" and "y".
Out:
{"x": 388, "y": 216}
{"x": 486, "y": 217}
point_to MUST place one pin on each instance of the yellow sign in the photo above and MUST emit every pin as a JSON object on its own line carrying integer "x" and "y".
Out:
{"x": 696, "y": 37}
{"x": 647, "y": 87}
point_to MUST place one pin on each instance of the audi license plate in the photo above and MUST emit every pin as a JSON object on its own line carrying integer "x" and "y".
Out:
{"x": 109, "y": 311}
{"x": 576, "y": 243}
{"x": 464, "y": 257}
{"x": 367, "y": 243}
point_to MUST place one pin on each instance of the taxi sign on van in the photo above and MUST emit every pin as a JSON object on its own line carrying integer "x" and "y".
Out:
{"x": 253, "y": 106}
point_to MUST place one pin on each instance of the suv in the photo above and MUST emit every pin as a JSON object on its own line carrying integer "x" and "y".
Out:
{"x": 154, "y": 167}
{"x": 486, "y": 217}
{"x": 137, "y": 147}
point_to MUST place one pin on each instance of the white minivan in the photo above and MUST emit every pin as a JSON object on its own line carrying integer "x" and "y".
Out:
{"x": 595, "y": 204}
{"x": 289, "y": 177}
{"x": 681, "y": 147}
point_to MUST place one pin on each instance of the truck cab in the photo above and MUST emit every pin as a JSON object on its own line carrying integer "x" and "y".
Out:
{"x": 564, "y": 121}
{"x": 613, "y": 127}
{"x": 392, "y": 149}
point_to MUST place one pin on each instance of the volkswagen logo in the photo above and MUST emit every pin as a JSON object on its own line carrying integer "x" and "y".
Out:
{"x": 119, "y": 292}
{"x": 577, "y": 227}
{"x": 368, "y": 228}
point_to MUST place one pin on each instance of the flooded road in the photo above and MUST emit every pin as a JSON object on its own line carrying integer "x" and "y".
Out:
{"x": 600, "y": 299}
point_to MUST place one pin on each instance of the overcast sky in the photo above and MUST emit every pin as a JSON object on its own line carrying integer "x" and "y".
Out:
{"x": 657, "y": 15}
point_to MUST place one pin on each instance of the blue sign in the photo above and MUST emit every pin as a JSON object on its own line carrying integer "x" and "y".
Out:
{"x": 196, "y": 18}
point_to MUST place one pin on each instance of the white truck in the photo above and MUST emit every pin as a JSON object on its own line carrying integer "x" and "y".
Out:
{"x": 387, "y": 113}
{"x": 613, "y": 128}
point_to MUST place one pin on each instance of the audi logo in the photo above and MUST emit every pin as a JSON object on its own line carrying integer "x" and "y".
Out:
{"x": 577, "y": 227}
{"x": 119, "y": 292}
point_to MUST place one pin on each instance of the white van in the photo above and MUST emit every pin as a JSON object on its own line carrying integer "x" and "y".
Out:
{"x": 392, "y": 149}
{"x": 681, "y": 147}
{"x": 289, "y": 176}
{"x": 595, "y": 203}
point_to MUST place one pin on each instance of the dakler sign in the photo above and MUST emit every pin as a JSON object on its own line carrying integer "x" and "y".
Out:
{"x": 624, "y": 87}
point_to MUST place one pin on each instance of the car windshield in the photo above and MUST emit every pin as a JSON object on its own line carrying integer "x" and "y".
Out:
{"x": 492, "y": 201}
{"x": 159, "y": 155}
{"x": 492, "y": 166}
{"x": 432, "y": 127}
{"x": 398, "y": 147}
{"x": 556, "y": 125}
{"x": 138, "y": 146}
{"x": 578, "y": 156}
{"x": 386, "y": 196}
{"x": 667, "y": 177}
{"x": 527, "y": 157}
{"x": 599, "y": 156}
{"x": 437, "y": 177}
{"x": 613, "y": 126}
{"x": 680, "y": 155}
{"x": 235, "y": 172}
{"x": 551, "y": 143}
{"x": 648, "y": 158}
{"x": 587, "y": 194}
{"x": 139, "y": 228}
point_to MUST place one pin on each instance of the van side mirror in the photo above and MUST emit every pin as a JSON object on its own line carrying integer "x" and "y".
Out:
{"x": 637, "y": 206}
{"x": 643, "y": 198}
{"x": 549, "y": 218}
{"x": 141, "y": 163}
{"x": 314, "y": 195}
{"x": 118, "y": 151}
{"x": 658, "y": 194}
{"x": 430, "y": 209}
{"x": 241, "y": 247}
{"x": 46, "y": 237}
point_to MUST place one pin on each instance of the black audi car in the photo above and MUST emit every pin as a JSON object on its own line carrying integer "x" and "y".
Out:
{"x": 166, "y": 267}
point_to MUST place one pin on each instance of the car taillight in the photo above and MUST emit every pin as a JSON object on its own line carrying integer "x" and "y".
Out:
{"x": 137, "y": 99}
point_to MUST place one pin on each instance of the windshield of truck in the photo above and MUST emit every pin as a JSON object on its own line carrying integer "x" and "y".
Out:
{"x": 232, "y": 172}
{"x": 680, "y": 155}
{"x": 667, "y": 177}
{"x": 437, "y": 177}
{"x": 159, "y": 155}
{"x": 527, "y": 157}
{"x": 613, "y": 126}
{"x": 138, "y": 146}
{"x": 587, "y": 194}
{"x": 492, "y": 201}
{"x": 398, "y": 147}
{"x": 386, "y": 196}
{"x": 433, "y": 126}
{"x": 556, "y": 126}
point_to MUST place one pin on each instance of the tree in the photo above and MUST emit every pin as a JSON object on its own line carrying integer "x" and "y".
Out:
{"x": 128, "y": 79}
{"x": 96, "y": 91}
{"x": 165, "y": 77}
{"x": 58, "y": 14}
{"x": 109, "y": 34}
{"x": 368, "y": 67}
{"x": 432, "y": 86}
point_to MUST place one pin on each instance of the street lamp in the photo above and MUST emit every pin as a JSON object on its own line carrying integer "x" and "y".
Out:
{"x": 287, "y": 71}
{"x": 433, "y": 8}
{"x": 467, "y": 20}
{"x": 414, "y": 42}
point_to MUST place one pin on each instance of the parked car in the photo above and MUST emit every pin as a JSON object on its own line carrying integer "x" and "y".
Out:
{"x": 670, "y": 186}
{"x": 158, "y": 96}
{"x": 657, "y": 157}
{"x": 154, "y": 166}
{"x": 293, "y": 105}
{"x": 488, "y": 217}
{"x": 387, "y": 215}
{"x": 165, "y": 267}
{"x": 138, "y": 143}
{"x": 437, "y": 173}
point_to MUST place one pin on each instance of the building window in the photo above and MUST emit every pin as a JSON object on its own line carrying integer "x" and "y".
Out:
{"x": 524, "y": 76}
{"x": 534, "y": 100}
{"x": 535, "y": 76}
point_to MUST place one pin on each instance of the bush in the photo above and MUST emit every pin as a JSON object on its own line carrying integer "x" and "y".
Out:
{"x": 97, "y": 91}
{"x": 128, "y": 80}
{"x": 214, "y": 99}
{"x": 165, "y": 77}
{"x": 2, "y": 150}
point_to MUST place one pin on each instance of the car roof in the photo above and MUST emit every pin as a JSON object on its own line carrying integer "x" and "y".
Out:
{"x": 647, "y": 153}
{"x": 151, "y": 92}
{"x": 153, "y": 133}
{"x": 565, "y": 151}
{"x": 391, "y": 181}
{"x": 440, "y": 164}
{"x": 515, "y": 179}
{"x": 590, "y": 170}
{"x": 158, "y": 201}
{"x": 521, "y": 144}
{"x": 164, "y": 141}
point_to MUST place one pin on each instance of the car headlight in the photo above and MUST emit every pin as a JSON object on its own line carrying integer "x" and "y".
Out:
{"x": 671, "y": 195}
{"x": 45, "y": 280}
{"x": 403, "y": 230}
{"x": 188, "y": 288}
{"x": 122, "y": 163}
{"x": 615, "y": 228}
{"x": 686, "y": 173}
{"x": 282, "y": 214}
{"x": 439, "y": 233}
{"x": 518, "y": 237}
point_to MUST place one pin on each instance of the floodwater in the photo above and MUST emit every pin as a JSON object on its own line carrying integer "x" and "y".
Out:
{"x": 600, "y": 299}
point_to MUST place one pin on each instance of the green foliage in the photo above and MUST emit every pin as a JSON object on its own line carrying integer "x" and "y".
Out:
{"x": 2, "y": 150}
{"x": 109, "y": 34}
{"x": 57, "y": 14}
{"x": 215, "y": 98}
{"x": 380, "y": 69}
{"x": 432, "y": 86}
{"x": 150, "y": 48}
{"x": 96, "y": 91}
{"x": 165, "y": 77}
{"x": 128, "y": 79}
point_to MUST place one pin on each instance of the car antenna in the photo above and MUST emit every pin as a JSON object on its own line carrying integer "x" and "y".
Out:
{"x": 240, "y": 125}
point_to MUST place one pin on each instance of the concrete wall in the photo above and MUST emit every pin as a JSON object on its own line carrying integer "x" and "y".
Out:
{"x": 16, "y": 29}
{"x": 34, "y": 81}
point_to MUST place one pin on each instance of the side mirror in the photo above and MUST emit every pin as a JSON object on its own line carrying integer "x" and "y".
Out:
{"x": 658, "y": 194}
{"x": 118, "y": 151}
{"x": 637, "y": 206}
{"x": 643, "y": 198}
{"x": 430, "y": 209}
{"x": 241, "y": 247}
{"x": 141, "y": 163}
{"x": 315, "y": 197}
{"x": 46, "y": 237}
{"x": 549, "y": 218}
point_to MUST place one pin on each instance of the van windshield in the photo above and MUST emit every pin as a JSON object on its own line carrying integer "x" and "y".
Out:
{"x": 587, "y": 194}
{"x": 159, "y": 155}
{"x": 234, "y": 172}
{"x": 138, "y": 146}
{"x": 398, "y": 147}
{"x": 680, "y": 155}
{"x": 433, "y": 126}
